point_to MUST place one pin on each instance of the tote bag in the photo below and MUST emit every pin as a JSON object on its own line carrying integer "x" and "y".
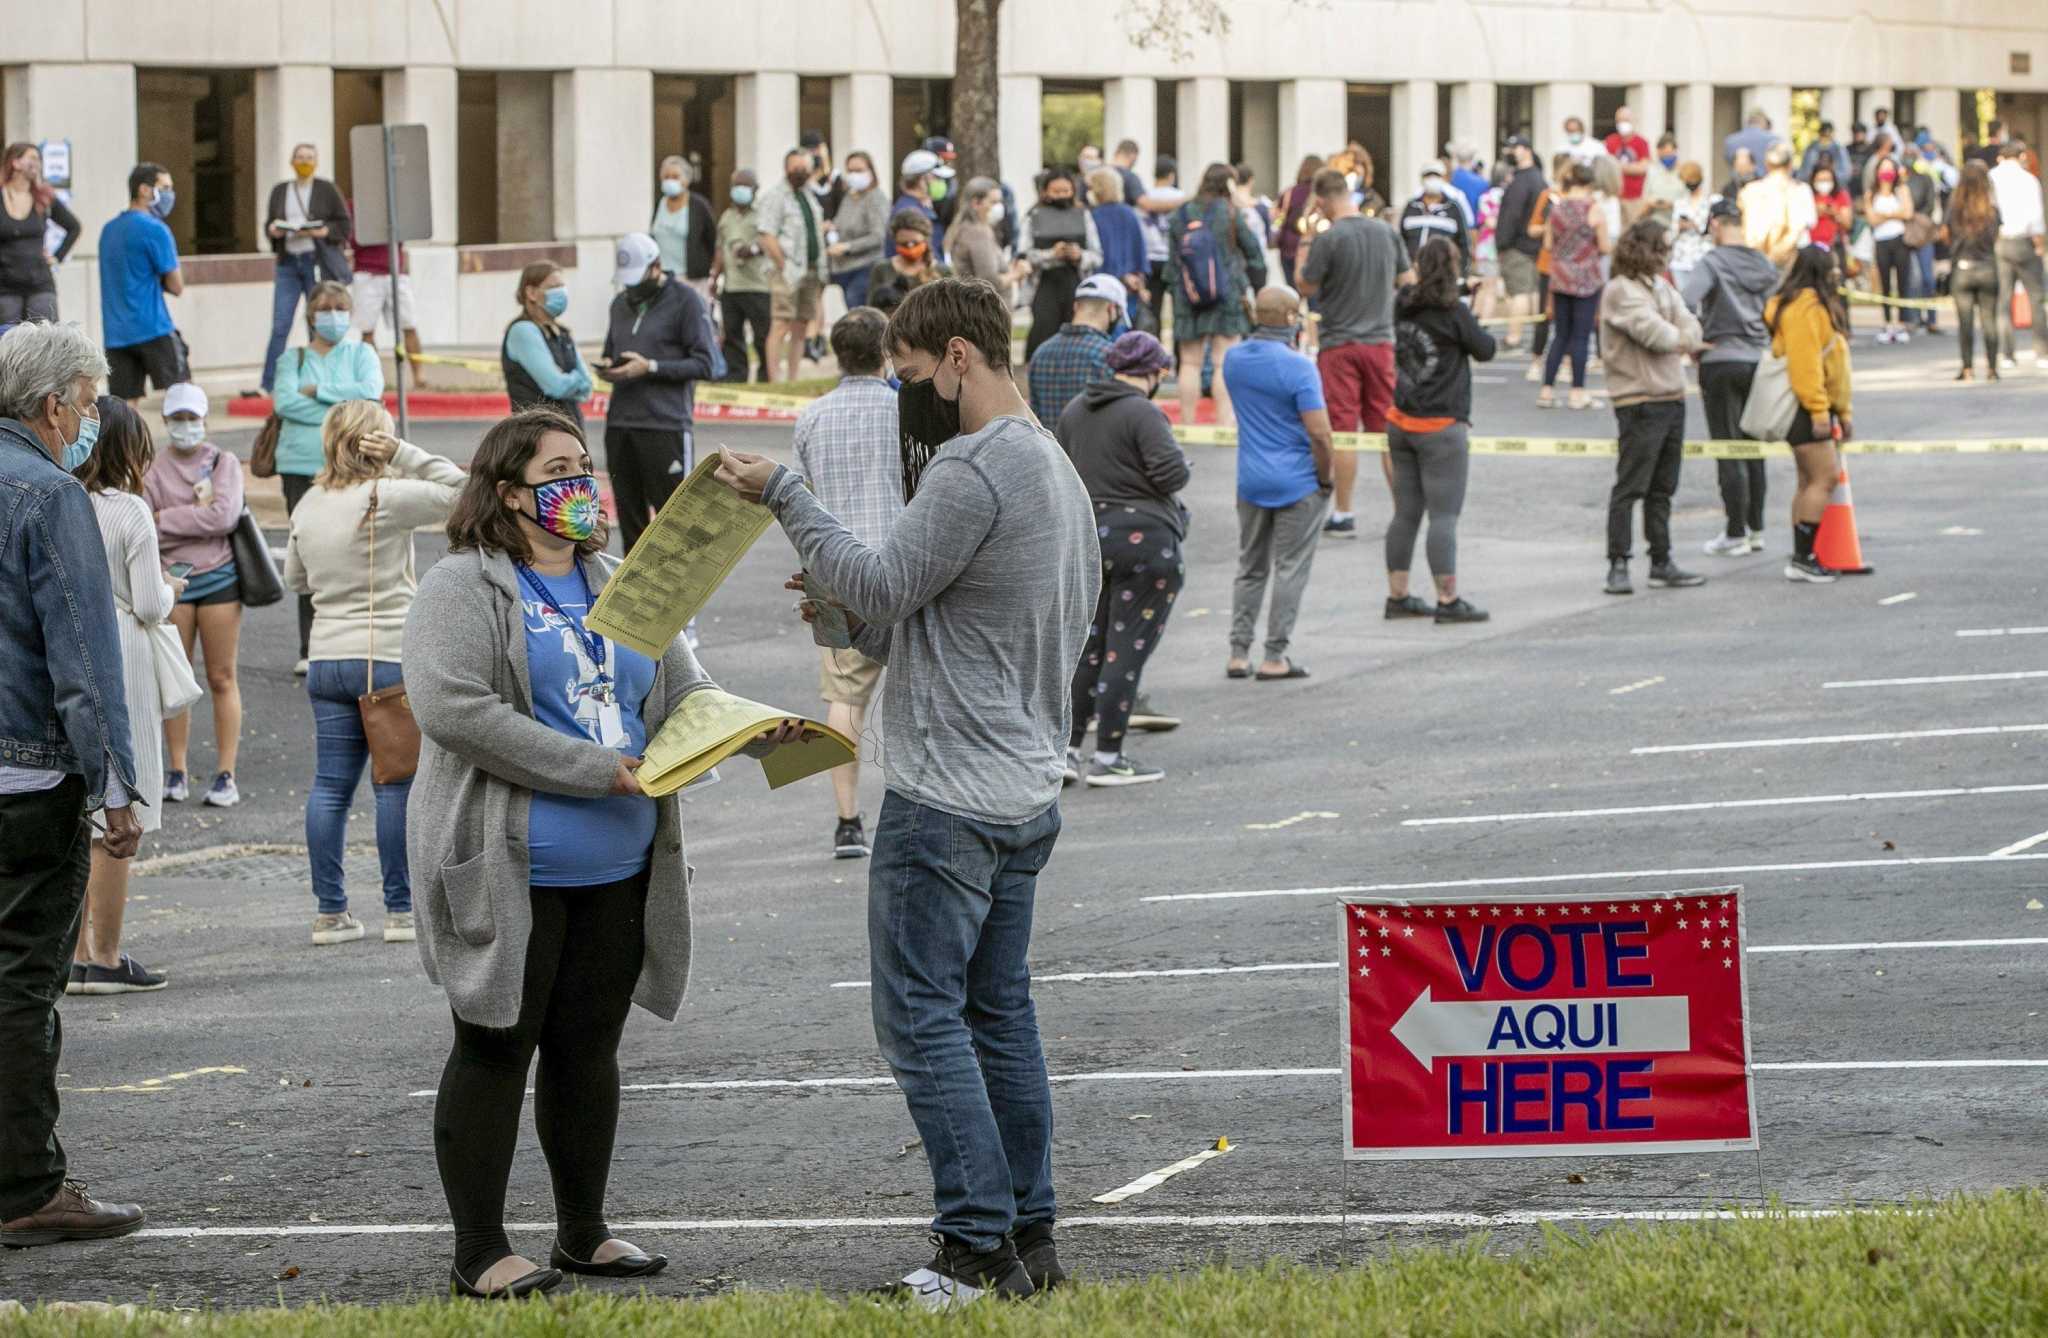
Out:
{"x": 176, "y": 687}
{"x": 1768, "y": 412}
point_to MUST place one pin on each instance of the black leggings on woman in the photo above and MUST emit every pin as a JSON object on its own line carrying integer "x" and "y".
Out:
{"x": 1142, "y": 572}
{"x": 582, "y": 961}
{"x": 1894, "y": 263}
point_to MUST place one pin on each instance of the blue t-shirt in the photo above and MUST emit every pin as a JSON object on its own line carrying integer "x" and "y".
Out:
{"x": 136, "y": 251}
{"x": 1271, "y": 387}
{"x": 577, "y": 842}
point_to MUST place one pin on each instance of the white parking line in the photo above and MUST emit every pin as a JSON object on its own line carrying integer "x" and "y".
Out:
{"x": 1883, "y": 945}
{"x": 1899, "y": 598}
{"x": 1115, "y": 1222}
{"x": 2004, "y": 631}
{"x": 1531, "y": 880}
{"x": 1780, "y": 801}
{"x": 2018, "y": 846}
{"x": 1814, "y": 740}
{"x": 1250, "y": 1075}
{"x": 1936, "y": 678}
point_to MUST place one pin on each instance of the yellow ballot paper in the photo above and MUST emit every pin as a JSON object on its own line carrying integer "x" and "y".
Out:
{"x": 682, "y": 558}
{"x": 711, "y": 725}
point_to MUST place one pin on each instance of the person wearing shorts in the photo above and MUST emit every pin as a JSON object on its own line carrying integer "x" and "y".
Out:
{"x": 370, "y": 291}
{"x": 138, "y": 265}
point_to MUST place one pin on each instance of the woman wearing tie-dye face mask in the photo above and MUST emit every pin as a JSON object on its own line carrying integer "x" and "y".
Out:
{"x": 351, "y": 551}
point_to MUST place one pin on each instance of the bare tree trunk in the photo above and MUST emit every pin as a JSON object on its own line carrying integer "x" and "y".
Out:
{"x": 974, "y": 128}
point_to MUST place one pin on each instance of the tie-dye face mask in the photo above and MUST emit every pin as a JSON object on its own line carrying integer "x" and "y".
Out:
{"x": 567, "y": 508}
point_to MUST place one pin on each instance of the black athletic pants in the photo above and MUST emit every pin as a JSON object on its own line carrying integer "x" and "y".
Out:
{"x": 645, "y": 464}
{"x": 1652, "y": 449}
{"x": 741, "y": 310}
{"x": 582, "y": 961}
{"x": 1724, "y": 389}
{"x": 296, "y": 486}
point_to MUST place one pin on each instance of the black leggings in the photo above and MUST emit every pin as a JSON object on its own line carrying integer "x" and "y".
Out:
{"x": 1142, "y": 572}
{"x": 1894, "y": 265}
{"x": 296, "y": 486}
{"x": 582, "y": 961}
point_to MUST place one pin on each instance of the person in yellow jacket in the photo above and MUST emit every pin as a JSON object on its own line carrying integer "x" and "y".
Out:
{"x": 1809, "y": 329}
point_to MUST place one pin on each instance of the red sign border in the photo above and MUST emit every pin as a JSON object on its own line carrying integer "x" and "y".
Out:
{"x": 1527, "y": 1150}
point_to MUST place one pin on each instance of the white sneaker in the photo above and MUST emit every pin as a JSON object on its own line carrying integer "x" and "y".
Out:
{"x": 299, "y": 669}
{"x": 2013, "y": 362}
{"x": 1722, "y": 545}
{"x": 1756, "y": 541}
{"x": 398, "y": 927}
{"x": 1072, "y": 771}
{"x": 338, "y": 928}
{"x": 1535, "y": 372}
{"x": 1902, "y": 336}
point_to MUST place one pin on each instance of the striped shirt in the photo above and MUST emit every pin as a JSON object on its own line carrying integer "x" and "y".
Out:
{"x": 848, "y": 450}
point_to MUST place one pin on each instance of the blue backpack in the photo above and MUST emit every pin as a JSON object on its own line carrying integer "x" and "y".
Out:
{"x": 1204, "y": 270}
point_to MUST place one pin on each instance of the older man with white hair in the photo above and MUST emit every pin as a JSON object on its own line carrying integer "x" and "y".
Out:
{"x": 64, "y": 753}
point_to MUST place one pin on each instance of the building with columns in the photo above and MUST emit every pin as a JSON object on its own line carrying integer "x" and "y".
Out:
{"x": 546, "y": 120}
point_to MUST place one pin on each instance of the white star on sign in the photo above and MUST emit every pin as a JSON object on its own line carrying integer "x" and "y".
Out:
{"x": 1657, "y": 907}
{"x": 1635, "y": 906}
{"x": 1364, "y": 951}
{"x": 1430, "y": 913}
{"x": 1386, "y": 952}
{"x": 1364, "y": 970}
{"x": 1408, "y": 932}
{"x": 1724, "y": 922}
{"x": 1681, "y": 924}
{"x": 1613, "y": 909}
{"x": 1726, "y": 903}
{"x": 1727, "y": 942}
{"x": 1385, "y": 932}
{"x": 1404, "y": 914}
{"x": 1475, "y": 912}
{"x": 1542, "y": 910}
{"x": 1706, "y": 943}
{"x": 1493, "y": 910}
{"x": 1727, "y": 961}
{"x": 1585, "y": 910}
{"x": 1358, "y": 911}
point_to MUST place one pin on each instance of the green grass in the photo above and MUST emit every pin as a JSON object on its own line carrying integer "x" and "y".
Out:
{"x": 1966, "y": 1265}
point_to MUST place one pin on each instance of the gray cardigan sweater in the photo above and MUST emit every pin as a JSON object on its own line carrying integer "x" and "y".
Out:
{"x": 482, "y": 754}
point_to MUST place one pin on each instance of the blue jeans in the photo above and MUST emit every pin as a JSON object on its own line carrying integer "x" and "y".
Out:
{"x": 949, "y": 931}
{"x": 296, "y": 278}
{"x": 339, "y": 752}
{"x": 1923, "y": 269}
{"x": 854, "y": 284}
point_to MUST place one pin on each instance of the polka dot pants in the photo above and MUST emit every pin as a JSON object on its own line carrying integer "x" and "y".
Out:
{"x": 1142, "y": 573}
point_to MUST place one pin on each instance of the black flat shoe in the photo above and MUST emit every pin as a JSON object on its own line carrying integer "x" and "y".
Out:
{"x": 625, "y": 1266}
{"x": 540, "y": 1280}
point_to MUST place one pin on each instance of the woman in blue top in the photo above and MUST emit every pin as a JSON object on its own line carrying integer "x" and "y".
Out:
{"x": 1122, "y": 234}
{"x": 542, "y": 365}
{"x": 553, "y": 892}
{"x": 333, "y": 365}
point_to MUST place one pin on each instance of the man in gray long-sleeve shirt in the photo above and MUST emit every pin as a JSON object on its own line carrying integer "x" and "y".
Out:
{"x": 979, "y": 600}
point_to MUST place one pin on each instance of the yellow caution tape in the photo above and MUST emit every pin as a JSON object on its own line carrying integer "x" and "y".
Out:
{"x": 443, "y": 360}
{"x": 1606, "y": 447}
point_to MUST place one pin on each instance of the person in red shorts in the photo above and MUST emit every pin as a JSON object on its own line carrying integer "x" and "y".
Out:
{"x": 1350, "y": 265}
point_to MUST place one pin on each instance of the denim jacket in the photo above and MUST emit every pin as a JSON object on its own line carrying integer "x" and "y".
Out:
{"x": 62, "y": 706}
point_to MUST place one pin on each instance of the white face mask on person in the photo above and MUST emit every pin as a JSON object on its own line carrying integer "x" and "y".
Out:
{"x": 186, "y": 433}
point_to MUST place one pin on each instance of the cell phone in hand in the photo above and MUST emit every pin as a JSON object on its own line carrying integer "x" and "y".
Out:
{"x": 829, "y": 625}
{"x": 179, "y": 570}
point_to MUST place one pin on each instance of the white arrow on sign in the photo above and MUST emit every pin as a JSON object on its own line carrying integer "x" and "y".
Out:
{"x": 1543, "y": 1026}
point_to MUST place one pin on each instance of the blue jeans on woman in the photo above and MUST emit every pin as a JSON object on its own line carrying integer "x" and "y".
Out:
{"x": 949, "y": 933}
{"x": 854, "y": 284}
{"x": 339, "y": 752}
{"x": 297, "y": 276}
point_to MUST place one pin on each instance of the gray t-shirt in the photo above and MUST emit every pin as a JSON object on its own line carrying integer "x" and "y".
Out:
{"x": 1353, "y": 266}
{"x": 979, "y": 601}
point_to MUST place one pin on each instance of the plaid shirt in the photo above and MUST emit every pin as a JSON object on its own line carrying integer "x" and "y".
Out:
{"x": 1063, "y": 365}
{"x": 848, "y": 448}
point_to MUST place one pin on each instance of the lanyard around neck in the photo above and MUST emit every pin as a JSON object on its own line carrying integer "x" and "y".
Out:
{"x": 592, "y": 644}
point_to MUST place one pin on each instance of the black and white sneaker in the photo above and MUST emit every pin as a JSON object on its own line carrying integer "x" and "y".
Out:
{"x": 130, "y": 977}
{"x": 1123, "y": 771}
{"x": 74, "y": 983}
{"x": 1149, "y": 719}
{"x": 850, "y": 839}
{"x": 1809, "y": 568}
{"x": 1409, "y": 606}
{"x": 1460, "y": 610}
{"x": 177, "y": 787}
{"x": 959, "y": 1276}
{"x": 1669, "y": 575}
{"x": 1346, "y": 528}
{"x": 1041, "y": 1261}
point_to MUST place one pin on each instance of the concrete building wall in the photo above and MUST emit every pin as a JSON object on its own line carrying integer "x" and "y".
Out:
{"x": 573, "y": 136}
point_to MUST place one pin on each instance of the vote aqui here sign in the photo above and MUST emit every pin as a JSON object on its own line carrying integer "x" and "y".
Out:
{"x": 1546, "y": 1026}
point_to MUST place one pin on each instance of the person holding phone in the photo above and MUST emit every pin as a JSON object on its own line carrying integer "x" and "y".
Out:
{"x": 351, "y": 552}
{"x": 553, "y": 893}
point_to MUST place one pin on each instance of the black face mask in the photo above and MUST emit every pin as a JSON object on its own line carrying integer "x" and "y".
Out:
{"x": 1060, "y": 202}
{"x": 644, "y": 290}
{"x": 928, "y": 420}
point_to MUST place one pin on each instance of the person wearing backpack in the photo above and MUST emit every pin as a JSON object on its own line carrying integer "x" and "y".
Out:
{"x": 1209, "y": 247}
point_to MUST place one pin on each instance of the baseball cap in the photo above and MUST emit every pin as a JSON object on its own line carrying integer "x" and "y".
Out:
{"x": 811, "y": 139}
{"x": 940, "y": 145}
{"x": 1725, "y": 210}
{"x": 1516, "y": 142}
{"x": 920, "y": 162}
{"x": 1433, "y": 168}
{"x": 1103, "y": 288}
{"x": 636, "y": 252}
{"x": 1136, "y": 351}
{"x": 184, "y": 397}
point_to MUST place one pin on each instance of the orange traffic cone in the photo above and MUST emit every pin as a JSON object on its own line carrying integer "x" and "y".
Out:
{"x": 1836, "y": 545}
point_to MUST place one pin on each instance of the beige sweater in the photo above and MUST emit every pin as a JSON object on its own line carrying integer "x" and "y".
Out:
{"x": 1645, "y": 336}
{"x": 329, "y": 555}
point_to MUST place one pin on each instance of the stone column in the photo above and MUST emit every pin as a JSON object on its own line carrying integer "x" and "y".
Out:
{"x": 1867, "y": 103}
{"x": 1554, "y": 102}
{"x": 1647, "y": 101}
{"x": 425, "y": 95}
{"x": 1260, "y": 139}
{"x": 526, "y": 156}
{"x": 1204, "y": 130}
{"x": 1838, "y": 104}
{"x": 765, "y": 127}
{"x": 1940, "y": 110}
{"x": 1695, "y": 130}
{"x": 603, "y": 150}
{"x": 294, "y": 105}
{"x": 1130, "y": 110}
{"x": 1776, "y": 102}
{"x": 864, "y": 118}
{"x": 1413, "y": 140}
{"x": 1020, "y": 134}
{"x": 1311, "y": 120}
{"x": 1474, "y": 109}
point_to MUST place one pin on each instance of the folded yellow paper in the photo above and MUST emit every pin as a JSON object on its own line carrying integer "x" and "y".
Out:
{"x": 711, "y": 725}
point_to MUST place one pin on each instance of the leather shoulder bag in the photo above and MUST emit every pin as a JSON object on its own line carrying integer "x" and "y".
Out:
{"x": 388, "y": 724}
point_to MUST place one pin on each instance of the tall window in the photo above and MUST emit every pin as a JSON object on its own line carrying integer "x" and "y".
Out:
{"x": 201, "y": 125}
{"x": 923, "y": 108}
{"x": 504, "y": 131}
{"x": 1070, "y": 115}
{"x": 1514, "y": 110}
{"x": 693, "y": 116}
{"x": 358, "y": 100}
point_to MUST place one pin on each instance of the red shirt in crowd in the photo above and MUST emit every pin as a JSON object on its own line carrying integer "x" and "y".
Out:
{"x": 1634, "y": 149}
{"x": 1826, "y": 230}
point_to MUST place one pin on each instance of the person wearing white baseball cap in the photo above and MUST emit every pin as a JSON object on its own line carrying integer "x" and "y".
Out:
{"x": 659, "y": 345}
{"x": 926, "y": 179}
{"x": 1065, "y": 363}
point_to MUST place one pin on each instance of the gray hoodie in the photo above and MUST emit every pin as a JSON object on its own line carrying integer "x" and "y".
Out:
{"x": 1727, "y": 291}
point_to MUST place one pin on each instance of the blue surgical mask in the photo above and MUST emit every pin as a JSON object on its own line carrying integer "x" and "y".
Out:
{"x": 555, "y": 301}
{"x": 331, "y": 325}
{"x": 1670, "y": 161}
{"x": 80, "y": 450}
{"x": 742, "y": 196}
{"x": 165, "y": 201}
{"x": 671, "y": 187}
